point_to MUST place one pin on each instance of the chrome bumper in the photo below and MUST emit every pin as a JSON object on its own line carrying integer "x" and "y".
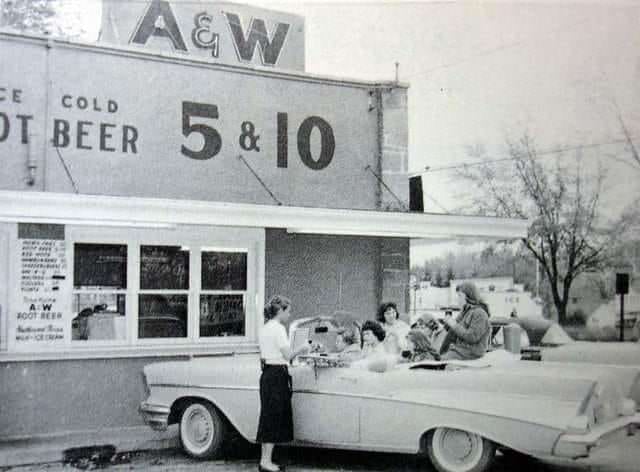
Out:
{"x": 156, "y": 416}
{"x": 575, "y": 446}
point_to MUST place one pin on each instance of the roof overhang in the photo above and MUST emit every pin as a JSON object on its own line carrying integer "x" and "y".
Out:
{"x": 72, "y": 209}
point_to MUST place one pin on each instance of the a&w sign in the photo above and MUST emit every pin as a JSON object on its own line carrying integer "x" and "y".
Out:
{"x": 216, "y": 31}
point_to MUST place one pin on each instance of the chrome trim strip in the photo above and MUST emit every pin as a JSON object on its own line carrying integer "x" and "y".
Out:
{"x": 206, "y": 387}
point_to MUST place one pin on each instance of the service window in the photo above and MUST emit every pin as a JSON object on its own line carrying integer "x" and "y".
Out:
{"x": 163, "y": 300}
{"x": 223, "y": 293}
{"x": 99, "y": 292}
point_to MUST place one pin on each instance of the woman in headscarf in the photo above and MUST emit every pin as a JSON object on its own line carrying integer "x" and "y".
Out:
{"x": 469, "y": 333}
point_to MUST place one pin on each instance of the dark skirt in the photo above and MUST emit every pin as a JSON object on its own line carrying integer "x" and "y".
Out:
{"x": 276, "y": 414}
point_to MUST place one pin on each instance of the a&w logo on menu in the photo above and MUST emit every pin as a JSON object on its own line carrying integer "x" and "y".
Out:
{"x": 160, "y": 21}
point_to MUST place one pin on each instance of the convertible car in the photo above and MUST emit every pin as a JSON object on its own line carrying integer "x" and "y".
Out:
{"x": 546, "y": 340}
{"x": 458, "y": 413}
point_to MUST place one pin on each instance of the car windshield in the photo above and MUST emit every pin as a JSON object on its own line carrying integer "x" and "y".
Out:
{"x": 323, "y": 330}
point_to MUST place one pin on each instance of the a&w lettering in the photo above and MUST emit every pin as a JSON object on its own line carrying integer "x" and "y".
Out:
{"x": 159, "y": 21}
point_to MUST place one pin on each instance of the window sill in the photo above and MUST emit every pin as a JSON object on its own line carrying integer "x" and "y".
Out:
{"x": 184, "y": 350}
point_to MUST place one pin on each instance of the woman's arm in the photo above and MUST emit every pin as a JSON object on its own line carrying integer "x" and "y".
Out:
{"x": 478, "y": 326}
{"x": 285, "y": 346}
{"x": 289, "y": 353}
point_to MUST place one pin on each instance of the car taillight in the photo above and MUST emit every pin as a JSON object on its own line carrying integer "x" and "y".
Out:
{"x": 579, "y": 425}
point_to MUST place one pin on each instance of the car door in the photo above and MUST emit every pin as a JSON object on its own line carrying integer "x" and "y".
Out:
{"x": 326, "y": 407}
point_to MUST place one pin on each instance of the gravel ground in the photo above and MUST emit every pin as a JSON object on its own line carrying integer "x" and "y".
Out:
{"x": 621, "y": 457}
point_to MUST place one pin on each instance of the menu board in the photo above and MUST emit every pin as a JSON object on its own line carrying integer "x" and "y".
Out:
{"x": 42, "y": 272}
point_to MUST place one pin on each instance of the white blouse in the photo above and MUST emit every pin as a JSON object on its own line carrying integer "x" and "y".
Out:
{"x": 400, "y": 329}
{"x": 273, "y": 337}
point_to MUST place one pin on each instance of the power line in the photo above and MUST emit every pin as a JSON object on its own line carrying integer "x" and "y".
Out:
{"x": 499, "y": 48}
{"x": 506, "y": 159}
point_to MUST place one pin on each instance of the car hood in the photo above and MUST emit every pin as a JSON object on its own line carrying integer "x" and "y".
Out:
{"x": 610, "y": 353}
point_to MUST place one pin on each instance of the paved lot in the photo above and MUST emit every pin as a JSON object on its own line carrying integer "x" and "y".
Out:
{"x": 622, "y": 457}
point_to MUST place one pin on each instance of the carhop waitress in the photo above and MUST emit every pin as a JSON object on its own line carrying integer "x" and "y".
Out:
{"x": 276, "y": 414}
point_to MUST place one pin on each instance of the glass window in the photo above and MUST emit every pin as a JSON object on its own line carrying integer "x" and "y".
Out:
{"x": 224, "y": 270}
{"x": 99, "y": 286}
{"x": 163, "y": 313}
{"x": 222, "y": 315}
{"x": 100, "y": 265}
{"x": 223, "y": 295}
{"x": 162, "y": 316}
{"x": 164, "y": 268}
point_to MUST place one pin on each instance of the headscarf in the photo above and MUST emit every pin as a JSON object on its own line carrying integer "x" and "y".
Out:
{"x": 472, "y": 295}
{"x": 422, "y": 347}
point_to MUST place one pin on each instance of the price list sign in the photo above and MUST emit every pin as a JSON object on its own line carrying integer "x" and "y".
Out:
{"x": 43, "y": 267}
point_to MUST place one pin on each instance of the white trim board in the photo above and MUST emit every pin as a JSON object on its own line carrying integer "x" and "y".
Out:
{"x": 47, "y": 207}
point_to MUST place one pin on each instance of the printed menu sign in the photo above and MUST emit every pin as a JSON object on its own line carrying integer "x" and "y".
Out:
{"x": 43, "y": 268}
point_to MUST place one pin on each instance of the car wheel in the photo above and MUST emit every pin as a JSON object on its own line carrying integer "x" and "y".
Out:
{"x": 202, "y": 430}
{"x": 454, "y": 450}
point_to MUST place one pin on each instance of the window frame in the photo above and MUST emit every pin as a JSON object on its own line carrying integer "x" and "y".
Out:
{"x": 221, "y": 239}
{"x": 244, "y": 293}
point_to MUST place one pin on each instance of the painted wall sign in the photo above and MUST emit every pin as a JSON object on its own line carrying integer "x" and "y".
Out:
{"x": 38, "y": 317}
{"x": 216, "y": 31}
{"x": 112, "y": 124}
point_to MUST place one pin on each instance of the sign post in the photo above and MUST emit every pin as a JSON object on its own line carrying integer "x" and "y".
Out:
{"x": 622, "y": 287}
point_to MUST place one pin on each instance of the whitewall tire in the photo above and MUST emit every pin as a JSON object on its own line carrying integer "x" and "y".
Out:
{"x": 454, "y": 450}
{"x": 202, "y": 430}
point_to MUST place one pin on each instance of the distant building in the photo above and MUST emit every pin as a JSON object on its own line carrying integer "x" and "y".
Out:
{"x": 503, "y": 296}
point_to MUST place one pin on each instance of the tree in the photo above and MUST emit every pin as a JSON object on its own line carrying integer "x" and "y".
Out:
{"x": 438, "y": 281}
{"x": 50, "y": 17}
{"x": 32, "y": 16}
{"x": 568, "y": 234}
{"x": 450, "y": 276}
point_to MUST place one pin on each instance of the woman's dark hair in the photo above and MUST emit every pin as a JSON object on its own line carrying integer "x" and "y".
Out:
{"x": 273, "y": 307}
{"x": 375, "y": 328}
{"x": 384, "y": 307}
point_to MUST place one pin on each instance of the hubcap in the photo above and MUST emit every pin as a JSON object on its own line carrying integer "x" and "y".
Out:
{"x": 457, "y": 444}
{"x": 197, "y": 429}
{"x": 457, "y": 450}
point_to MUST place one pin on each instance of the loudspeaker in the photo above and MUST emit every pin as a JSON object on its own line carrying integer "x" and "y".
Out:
{"x": 416, "y": 202}
{"x": 622, "y": 284}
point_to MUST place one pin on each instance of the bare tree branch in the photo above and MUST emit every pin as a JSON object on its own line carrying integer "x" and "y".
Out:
{"x": 564, "y": 206}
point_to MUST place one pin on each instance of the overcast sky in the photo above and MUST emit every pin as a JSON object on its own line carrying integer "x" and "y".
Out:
{"x": 483, "y": 71}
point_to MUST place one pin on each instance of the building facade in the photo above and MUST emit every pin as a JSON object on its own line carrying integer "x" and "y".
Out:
{"x": 502, "y": 295}
{"x": 151, "y": 201}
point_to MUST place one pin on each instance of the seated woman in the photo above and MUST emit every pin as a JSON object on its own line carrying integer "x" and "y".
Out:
{"x": 469, "y": 333}
{"x": 374, "y": 355}
{"x": 395, "y": 328}
{"x": 372, "y": 339}
{"x": 419, "y": 348}
{"x": 347, "y": 347}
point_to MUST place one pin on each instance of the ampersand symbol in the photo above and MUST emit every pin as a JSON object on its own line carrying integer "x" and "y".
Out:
{"x": 249, "y": 141}
{"x": 202, "y": 36}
